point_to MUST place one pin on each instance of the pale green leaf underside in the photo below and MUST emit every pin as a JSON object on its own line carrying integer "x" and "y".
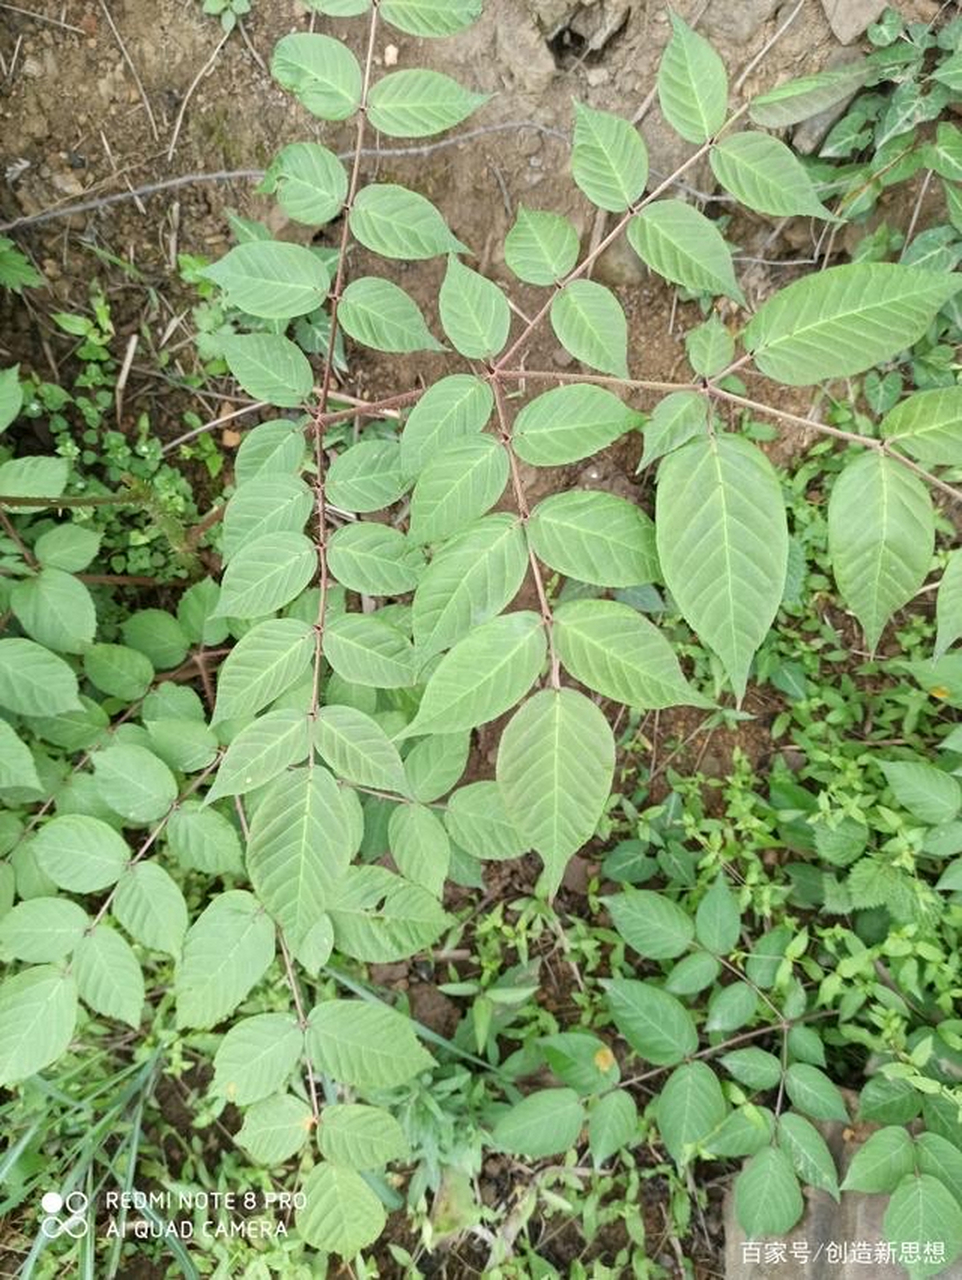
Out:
{"x": 374, "y": 559}
{"x": 594, "y": 537}
{"x": 265, "y": 662}
{"x": 320, "y": 71}
{"x": 341, "y": 1213}
{"x": 271, "y": 279}
{"x": 398, "y": 223}
{"x": 453, "y": 407}
{"x": 269, "y": 367}
{"x": 227, "y": 950}
{"x": 417, "y": 103}
{"x": 684, "y": 247}
{"x": 765, "y": 175}
{"x": 366, "y": 1045}
{"x": 807, "y": 96}
{"x": 256, "y": 1057}
{"x": 267, "y": 574}
{"x": 367, "y": 650}
{"x": 541, "y": 248}
{"x": 928, "y": 426}
{"x": 588, "y": 321}
{"x": 381, "y": 315}
{"x": 692, "y": 84}
{"x": 358, "y": 750}
{"x": 309, "y": 181}
{"x": 609, "y": 161}
{"x": 431, "y": 18}
{"x": 38, "y": 1013}
{"x": 569, "y": 423}
{"x": 262, "y": 750}
{"x": 948, "y": 605}
{"x": 269, "y": 504}
{"x": 457, "y": 486}
{"x": 474, "y": 312}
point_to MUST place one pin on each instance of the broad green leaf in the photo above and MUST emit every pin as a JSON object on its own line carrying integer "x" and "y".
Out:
{"x": 367, "y": 477}
{"x": 948, "y": 605}
{"x": 841, "y": 321}
{"x": 341, "y": 1213}
{"x": 227, "y": 951}
{"x": 185, "y": 745}
{"x": 943, "y": 1159}
{"x": 38, "y": 1013}
{"x": 589, "y": 323}
{"x": 889, "y": 1101}
{"x": 808, "y": 96}
{"x": 431, "y": 17}
{"x": 555, "y": 765}
{"x": 302, "y": 839}
{"x": 710, "y": 347}
{"x": 766, "y": 956}
{"x": 690, "y": 1106}
{"x": 457, "y": 486}
{"x": 928, "y": 426}
{"x": 11, "y": 396}
{"x": 812, "y": 1092}
{"x": 367, "y": 650}
{"x": 360, "y": 1137}
{"x": 581, "y": 1061}
{"x": 374, "y": 559}
{"x": 379, "y": 917}
{"x": 684, "y": 247}
{"x": 479, "y": 823}
{"x": 881, "y": 534}
{"x": 569, "y": 423}
{"x": 17, "y": 767}
{"x": 594, "y": 537}
{"x": 541, "y": 248}
{"x": 320, "y": 71}
{"x": 949, "y": 72}
{"x": 768, "y": 1199}
{"x": 34, "y": 682}
{"x": 692, "y": 974}
{"x": 309, "y": 181}
{"x": 118, "y": 670}
{"x": 755, "y": 1068}
{"x": 367, "y": 1045}
{"x": 33, "y": 476}
{"x": 271, "y": 279}
{"x": 398, "y": 223}
{"x": 923, "y": 1209}
{"x": 420, "y": 846}
{"x": 655, "y": 1024}
{"x": 276, "y": 1129}
{"x": 469, "y": 581}
{"x": 723, "y": 545}
{"x": 483, "y": 676}
{"x": 417, "y": 104}
{"x": 651, "y": 923}
{"x": 272, "y": 448}
{"x": 616, "y": 652}
{"x": 765, "y": 175}
{"x": 41, "y": 930}
{"x": 474, "y": 312}
{"x": 609, "y": 161}
{"x": 80, "y": 853}
{"x": 108, "y": 976}
{"x": 256, "y": 1057}
{"x": 262, "y": 750}
{"x": 358, "y": 750}
{"x": 134, "y": 783}
{"x": 692, "y": 84}
{"x": 808, "y": 1152}
{"x": 928, "y": 793}
{"x": 267, "y": 574}
{"x": 718, "y": 920}
{"x": 381, "y": 315}
{"x": 203, "y": 840}
{"x": 435, "y": 764}
{"x": 612, "y": 1124}
{"x": 453, "y": 407}
{"x": 158, "y": 636}
{"x": 55, "y": 609}
{"x": 743, "y": 1132}
{"x": 731, "y": 1007}
{"x": 270, "y": 504}
{"x": 340, "y": 8}
{"x": 67, "y": 546}
{"x": 545, "y": 1123}
{"x": 265, "y": 662}
{"x": 269, "y": 367}
{"x": 151, "y": 907}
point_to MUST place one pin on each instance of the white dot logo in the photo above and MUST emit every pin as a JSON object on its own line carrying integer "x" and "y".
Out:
{"x": 65, "y": 1215}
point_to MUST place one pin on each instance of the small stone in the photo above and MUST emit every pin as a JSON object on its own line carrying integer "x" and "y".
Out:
{"x": 597, "y": 76}
{"x": 562, "y": 358}
{"x": 737, "y": 21}
{"x": 849, "y": 18}
{"x": 391, "y": 54}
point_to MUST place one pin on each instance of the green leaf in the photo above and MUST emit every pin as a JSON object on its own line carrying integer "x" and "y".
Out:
{"x": 881, "y": 534}
{"x": 272, "y": 448}
{"x": 271, "y": 279}
{"x": 341, "y": 1213}
{"x": 650, "y": 923}
{"x": 80, "y": 853}
{"x": 684, "y": 247}
{"x": 594, "y": 537}
{"x": 766, "y": 956}
{"x": 151, "y": 907}
{"x": 692, "y": 84}
{"x": 545, "y": 1123}
{"x": 928, "y": 426}
{"x": 569, "y": 423}
{"x": 768, "y": 1199}
{"x": 609, "y": 161}
{"x": 134, "y": 783}
{"x": 474, "y": 312}
{"x": 108, "y": 975}
{"x": 203, "y": 840}
{"x": 309, "y": 181}
{"x": 808, "y": 96}
{"x": 808, "y": 1152}
{"x": 67, "y": 546}
{"x": 753, "y": 1067}
{"x": 450, "y": 409}
{"x": 692, "y": 974}
{"x": 340, "y": 8}
{"x": 320, "y": 71}
{"x": 118, "y": 671}
{"x": 11, "y": 396}
{"x": 612, "y": 1124}
{"x": 55, "y": 609}
{"x": 555, "y": 765}
{"x": 269, "y": 367}
{"x": 484, "y": 675}
{"x": 710, "y": 347}
{"x": 374, "y": 559}
{"x": 842, "y": 321}
{"x": 360, "y": 1137}
{"x": 949, "y": 72}
{"x": 381, "y": 315}
{"x": 363, "y": 648}
{"x": 38, "y": 1013}
{"x": 581, "y": 1061}
{"x": 17, "y": 768}
{"x": 267, "y": 574}
{"x": 402, "y": 224}
{"x": 723, "y": 545}
{"x": 262, "y": 750}
{"x": 655, "y": 1024}
{"x": 256, "y": 1057}
{"x": 541, "y": 248}
{"x": 479, "y": 823}
{"x": 469, "y": 581}
{"x": 813, "y": 1092}
{"x": 34, "y": 682}
{"x": 420, "y": 846}
{"x": 270, "y": 658}
{"x": 589, "y": 323}
{"x": 41, "y": 929}
{"x": 691, "y": 1105}
{"x": 731, "y": 1007}
{"x": 943, "y": 1159}
{"x": 379, "y": 917}
{"x": 367, "y": 477}
{"x": 33, "y": 477}
{"x": 765, "y": 175}
{"x": 743, "y": 1132}
{"x": 948, "y": 605}
{"x": 718, "y": 920}
{"x": 923, "y": 1209}
{"x": 158, "y": 636}
{"x": 457, "y": 486}
{"x": 358, "y": 749}
{"x": 276, "y": 1129}
{"x": 270, "y": 504}
{"x": 227, "y": 951}
{"x": 431, "y": 17}
{"x": 435, "y": 764}
{"x": 928, "y": 793}
{"x": 302, "y": 839}
{"x": 616, "y": 652}
{"x": 417, "y": 104}
{"x": 364, "y": 1044}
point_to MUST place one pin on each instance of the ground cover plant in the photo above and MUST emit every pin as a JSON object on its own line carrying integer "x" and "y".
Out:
{"x": 202, "y": 790}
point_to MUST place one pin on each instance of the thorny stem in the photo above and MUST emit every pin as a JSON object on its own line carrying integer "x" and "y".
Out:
{"x": 302, "y": 1023}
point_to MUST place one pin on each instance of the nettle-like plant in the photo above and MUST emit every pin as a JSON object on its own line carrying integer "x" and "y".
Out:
{"x": 368, "y": 585}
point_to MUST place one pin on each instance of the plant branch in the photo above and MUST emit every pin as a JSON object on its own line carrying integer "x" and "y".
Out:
{"x": 302, "y": 1023}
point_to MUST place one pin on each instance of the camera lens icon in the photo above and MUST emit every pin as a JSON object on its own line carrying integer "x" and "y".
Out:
{"x": 65, "y": 1215}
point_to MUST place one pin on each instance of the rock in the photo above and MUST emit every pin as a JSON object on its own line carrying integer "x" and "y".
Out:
{"x": 811, "y": 133}
{"x": 667, "y": 151}
{"x": 849, "y": 18}
{"x": 736, "y": 20}
{"x": 620, "y": 265}
{"x": 522, "y": 52}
